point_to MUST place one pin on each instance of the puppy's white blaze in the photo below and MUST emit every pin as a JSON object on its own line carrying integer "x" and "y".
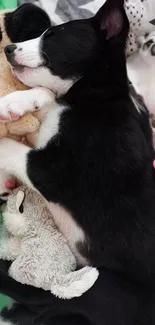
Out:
{"x": 28, "y": 53}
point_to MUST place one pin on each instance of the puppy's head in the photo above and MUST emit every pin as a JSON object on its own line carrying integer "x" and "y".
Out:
{"x": 64, "y": 53}
{"x": 147, "y": 48}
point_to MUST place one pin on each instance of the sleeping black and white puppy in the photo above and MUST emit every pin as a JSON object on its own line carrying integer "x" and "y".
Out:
{"x": 93, "y": 163}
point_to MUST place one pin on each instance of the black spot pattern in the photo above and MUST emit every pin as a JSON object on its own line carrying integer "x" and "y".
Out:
{"x": 137, "y": 12}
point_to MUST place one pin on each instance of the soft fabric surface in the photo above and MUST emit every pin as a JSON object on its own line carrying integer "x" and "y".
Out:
{"x": 140, "y": 13}
{"x": 8, "y": 4}
{"x": 61, "y": 11}
{"x": 4, "y": 301}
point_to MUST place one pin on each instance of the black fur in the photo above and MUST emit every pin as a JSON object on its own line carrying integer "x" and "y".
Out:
{"x": 99, "y": 167}
{"x": 26, "y": 22}
{"x": 113, "y": 300}
{"x": 21, "y": 315}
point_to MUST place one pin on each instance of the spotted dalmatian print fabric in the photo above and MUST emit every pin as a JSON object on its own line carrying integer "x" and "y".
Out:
{"x": 140, "y": 13}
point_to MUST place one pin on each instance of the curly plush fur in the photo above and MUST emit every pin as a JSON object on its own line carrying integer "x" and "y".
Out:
{"x": 40, "y": 254}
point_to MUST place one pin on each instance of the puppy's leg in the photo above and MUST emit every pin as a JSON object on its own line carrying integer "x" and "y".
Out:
{"x": 18, "y": 103}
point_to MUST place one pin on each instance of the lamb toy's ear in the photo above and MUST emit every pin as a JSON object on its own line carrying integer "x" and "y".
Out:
{"x": 19, "y": 200}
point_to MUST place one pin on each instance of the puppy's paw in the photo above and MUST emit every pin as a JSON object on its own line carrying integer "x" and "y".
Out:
{"x": 10, "y": 108}
{"x": 18, "y": 103}
{"x": 15, "y": 105}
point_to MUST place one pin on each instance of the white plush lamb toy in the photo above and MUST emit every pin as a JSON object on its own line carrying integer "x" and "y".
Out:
{"x": 40, "y": 254}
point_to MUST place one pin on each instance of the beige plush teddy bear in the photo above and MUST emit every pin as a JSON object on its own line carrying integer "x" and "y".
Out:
{"x": 26, "y": 126}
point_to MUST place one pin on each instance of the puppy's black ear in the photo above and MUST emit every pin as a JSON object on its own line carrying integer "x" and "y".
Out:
{"x": 112, "y": 18}
{"x": 26, "y": 22}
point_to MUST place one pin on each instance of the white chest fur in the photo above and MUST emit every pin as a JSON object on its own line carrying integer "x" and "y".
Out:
{"x": 50, "y": 125}
{"x": 68, "y": 227}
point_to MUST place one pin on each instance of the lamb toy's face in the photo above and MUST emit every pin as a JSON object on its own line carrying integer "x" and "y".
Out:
{"x": 15, "y": 202}
{"x": 19, "y": 202}
{"x": 23, "y": 210}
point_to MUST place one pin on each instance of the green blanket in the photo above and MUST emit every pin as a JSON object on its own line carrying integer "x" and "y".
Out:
{"x": 8, "y": 4}
{"x": 4, "y": 301}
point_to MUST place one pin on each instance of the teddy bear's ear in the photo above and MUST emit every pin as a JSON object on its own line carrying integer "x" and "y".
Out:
{"x": 26, "y": 22}
{"x": 19, "y": 201}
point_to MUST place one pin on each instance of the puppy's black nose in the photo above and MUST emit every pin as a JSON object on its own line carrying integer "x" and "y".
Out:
{"x": 9, "y": 51}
